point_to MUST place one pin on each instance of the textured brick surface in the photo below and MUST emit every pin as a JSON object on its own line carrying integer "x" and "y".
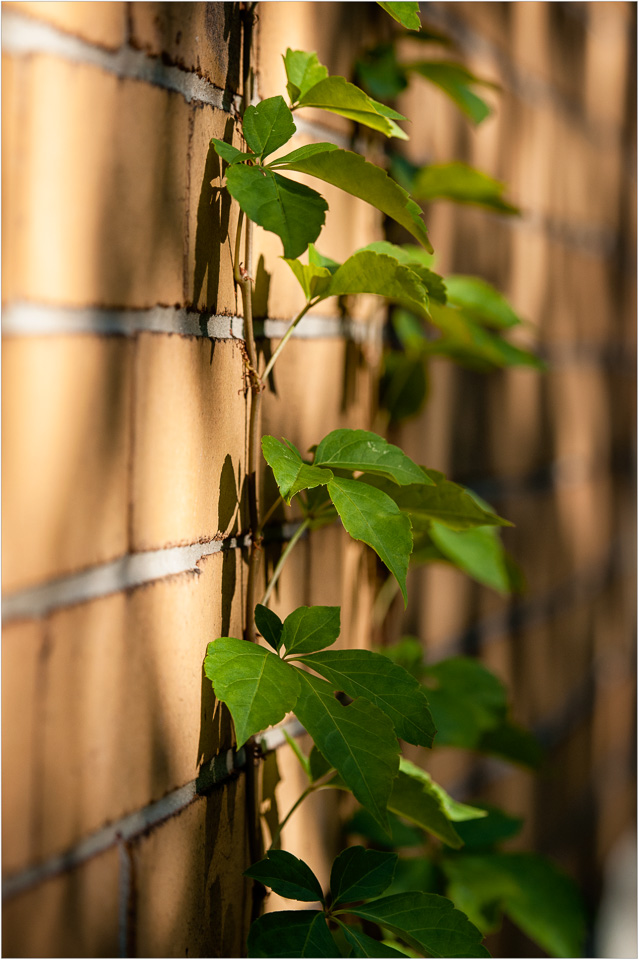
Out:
{"x": 103, "y": 24}
{"x": 192, "y": 898}
{"x": 65, "y": 458}
{"x": 189, "y": 440}
{"x": 73, "y": 915}
{"x": 101, "y": 688}
{"x": 200, "y": 37}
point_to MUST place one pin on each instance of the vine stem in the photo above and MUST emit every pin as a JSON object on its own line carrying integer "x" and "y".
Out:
{"x": 309, "y": 790}
{"x": 280, "y": 566}
{"x": 286, "y": 337}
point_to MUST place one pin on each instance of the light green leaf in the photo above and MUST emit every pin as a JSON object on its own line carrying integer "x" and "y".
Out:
{"x": 269, "y": 625}
{"x": 310, "y": 628}
{"x": 359, "y": 874}
{"x": 290, "y": 471}
{"x": 455, "y": 81}
{"x": 466, "y": 700}
{"x": 481, "y": 301}
{"x": 350, "y": 172}
{"x": 316, "y": 259}
{"x": 461, "y": 183}
{"x": 362, "y": 673}
{"x": 230, "y": 153}
{"x": 478, "y": 552}
{"x": 427, "y": 922}
{"x": 406, "y": 13}
{"x": 371, "y": 516}
{"x": 291, "y": 933}
{"x": 435, "y": 285}
{"x": 313, "y": 280}
{"x": 257, "y": 687}
{"x": 531, "y": 890}
{"x": 303, "y": 71}
{"x": 268, "y": 126}
{"x": 337, "y": 95}
{"x": 291, "y": 210}
{"x": 287, "y": 876}
{"x": 346, "y": 449}
{"x": 358, "y": 740}
{"x": 370, "y": 272}
{"x": 365, "y": 946}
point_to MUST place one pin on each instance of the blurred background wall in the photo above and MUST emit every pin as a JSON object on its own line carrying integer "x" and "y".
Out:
{"x": 124, "y": 434}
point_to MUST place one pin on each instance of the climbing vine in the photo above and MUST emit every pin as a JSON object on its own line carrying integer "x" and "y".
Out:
{"x": 359, "y": 705}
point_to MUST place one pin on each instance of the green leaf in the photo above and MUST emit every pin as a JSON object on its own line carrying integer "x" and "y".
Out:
{"x": 370, "y": 272}
{"x": 291, "y": 210}
{"x": 532, "y": 891}
{"x": 409, "y": 654}
{"x": 291, "y": 933}
{"x": 365, "y": 946}
{"x": 269, "y": 625}
{"x": 406, "y": 254}
{"x": 380, "y": 73}
{"x": 478, "y": 552}
{"x": 346, "y": 449}
{"x": 358, "y": 740}
{"x": 290, "y": 471}
{"x": 461, "y": 183}
{"x": 337, "y": 95}
{"x": 362, "y": 824}
{"x": 455, "y": 81}
{"x": 403, "y": 385}
{"x": 318, "y": 766}
{"x": 481, "y": 301}
{"x": 316, "y": 259}
{"x": 467, "y": 341}
{"x": 427, "y": 922}
{"x": 350, "y": 172}
{"x": 359, "y": 874}
{"x": 257, "y": 687}
{"x": 513, "y": 743}
{"x": 303, "y": 71}
{"x": 362, "y": 673}
{"x": 466, "y": 701}
{"x": 405, "y": 13}
{"x": 493, "y": 828}
{"x": 310, "y": 628}
{"x": 268, "y": 126}
{"x": 313, "y": 280}
{"x": 230, "y": 153}
{"x": 287, "y": 876}
{"x": 371, "y": 516}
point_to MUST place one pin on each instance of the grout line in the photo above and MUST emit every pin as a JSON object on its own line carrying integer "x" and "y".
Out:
{"x": 132, "y": 570}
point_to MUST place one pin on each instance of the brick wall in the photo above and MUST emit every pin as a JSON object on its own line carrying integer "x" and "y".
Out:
{"x": 124, "y": 444}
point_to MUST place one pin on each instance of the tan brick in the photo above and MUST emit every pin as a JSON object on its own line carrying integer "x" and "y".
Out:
{"x": 72, "y": 915}
{"x": 103, "y": 24}
{"x": 212, "y": 218}
{"x": 189, "y": 440}
{"x": 22, "y": 655}
{"x": 128, "y": 712}
{"x": 192, "y": 897}
{"x": 200, "y": 37}
{"x": 66, "y": 423}
{"x": 102, "y": 222}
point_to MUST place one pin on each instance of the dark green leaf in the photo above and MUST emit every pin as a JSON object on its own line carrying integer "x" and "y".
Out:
{"x": 337, "y": 95}
{"x": 531, "y": 890}
{"x": 365, "y": 946}
{"x": 362, "y": 673}
{"x": 318, "y": 766}
{"x": 467, "y": 341}
{"x": 409, "y": 654}
{"x": 359, "y": 874}
{"x": 478, "y": 552}
{"x": 346, "y": 449}
{"x": 512, "y": 742}
{"x": 257, "y": 687}
{"x": 466, "y": 701}
{"x": 290, "y": 471}
{"x": 461, "y": 183}
{"x": 230, "y": 153}
{"x": 406, "y": 13}
{"x": 269, "y": 625}
{"x": 370, "y": 272}
{"x": 310, "y": 628}
{"x": 313, "y": 280}
{"x": 291, "y": 933}
{"x": 427, "y": 922}
{"x": 291, "y": 210}
{"x": 403, "y": 385}
{"x": 371, "y": 516}
{"x": 287, "y": 876}
{"x": 417, "y": 873}
{"x": 362, "y": 824}
{"x": 358, "y": 740}
{"x": 303, "y": 71}
{"x": 350, "y": 172}
{"x": 495, "y": 827}
{"x": 267, "y": 126}
{"x": 481, "y": 301}
{"x": 380, "y": 73}
{"x": 456, "y": 81}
